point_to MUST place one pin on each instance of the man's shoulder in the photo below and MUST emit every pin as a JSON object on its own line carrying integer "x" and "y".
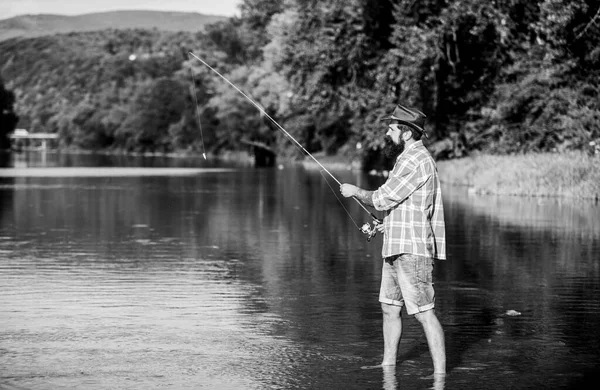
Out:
{"x": 420, "y": 155}
{"x": 422, "y": 149}
{"x": 419, "y": 160}
{"x": 408, "y": 160}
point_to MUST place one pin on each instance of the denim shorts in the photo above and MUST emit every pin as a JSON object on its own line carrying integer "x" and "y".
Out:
{"x": 407, "y": 280}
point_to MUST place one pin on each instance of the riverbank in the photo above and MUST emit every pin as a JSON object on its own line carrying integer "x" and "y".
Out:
{"x": 570, "y": 175}
{"x": 573, "y": 174}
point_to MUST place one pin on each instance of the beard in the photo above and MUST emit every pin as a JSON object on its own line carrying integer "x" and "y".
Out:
{"x": 392, "y": 149}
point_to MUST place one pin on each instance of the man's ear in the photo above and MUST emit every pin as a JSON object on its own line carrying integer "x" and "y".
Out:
{"x": 406, "y": 135}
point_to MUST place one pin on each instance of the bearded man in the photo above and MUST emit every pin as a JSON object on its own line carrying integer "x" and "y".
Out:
{"x": 413, "y": 234}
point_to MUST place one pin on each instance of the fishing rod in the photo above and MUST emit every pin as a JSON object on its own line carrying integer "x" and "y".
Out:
{"x": 366, "y": 229}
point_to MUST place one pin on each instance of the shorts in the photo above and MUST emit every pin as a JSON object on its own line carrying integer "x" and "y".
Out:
{"x": 407, "y": 279}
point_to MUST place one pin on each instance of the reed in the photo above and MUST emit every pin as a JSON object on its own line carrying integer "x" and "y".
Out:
{"x": 572, "y": 174}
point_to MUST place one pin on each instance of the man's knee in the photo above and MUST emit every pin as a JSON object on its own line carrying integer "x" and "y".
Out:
{"x": 425, "y": 316}
{"x": 390, "y": 310}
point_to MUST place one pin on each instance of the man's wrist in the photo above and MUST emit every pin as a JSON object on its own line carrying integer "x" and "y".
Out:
{"x": 364, "y": 196}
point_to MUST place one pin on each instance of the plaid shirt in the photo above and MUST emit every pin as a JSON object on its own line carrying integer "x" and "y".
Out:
{"x": 412, "y": 199}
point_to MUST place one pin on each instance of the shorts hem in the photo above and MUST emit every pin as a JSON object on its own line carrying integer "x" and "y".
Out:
{"x": 391, "y": 302}
{"x": 420, "y": 309}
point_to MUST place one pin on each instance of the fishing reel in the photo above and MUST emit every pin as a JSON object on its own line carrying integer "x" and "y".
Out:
{"x": 370, "y": 231}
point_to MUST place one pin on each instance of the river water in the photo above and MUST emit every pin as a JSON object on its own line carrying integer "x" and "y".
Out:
{"x": 222, "y": 276}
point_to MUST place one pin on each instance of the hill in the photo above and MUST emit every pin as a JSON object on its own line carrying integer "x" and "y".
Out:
{"x": 107, "y": 89}
{"x": 27, "y": 26}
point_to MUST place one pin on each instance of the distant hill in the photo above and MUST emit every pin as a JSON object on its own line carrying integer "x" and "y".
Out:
{"x": 38, "y": 25}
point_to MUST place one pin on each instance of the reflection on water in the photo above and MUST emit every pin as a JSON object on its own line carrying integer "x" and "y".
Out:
{"x": 257, "y": 278}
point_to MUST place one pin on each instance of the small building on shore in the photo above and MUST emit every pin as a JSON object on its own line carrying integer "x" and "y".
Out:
{"x": 21, "y": 139}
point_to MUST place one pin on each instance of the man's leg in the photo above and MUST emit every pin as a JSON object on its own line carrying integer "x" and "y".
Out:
{"x": 435, "y": 339}
{"x": 392, "y": 332}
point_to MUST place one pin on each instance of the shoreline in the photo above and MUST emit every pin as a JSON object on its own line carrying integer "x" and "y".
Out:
{"x": 569, "y": 175}
{"x": 573, "y": 174}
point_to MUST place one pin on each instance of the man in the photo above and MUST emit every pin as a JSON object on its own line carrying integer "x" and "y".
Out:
{"x": 413, "y": 234}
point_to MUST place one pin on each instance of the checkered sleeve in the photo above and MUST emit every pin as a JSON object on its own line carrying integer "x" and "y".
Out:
{"x": 401, "y": 183}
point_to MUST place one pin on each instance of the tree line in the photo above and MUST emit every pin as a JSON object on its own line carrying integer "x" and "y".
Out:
{"x": 503, "y": 76}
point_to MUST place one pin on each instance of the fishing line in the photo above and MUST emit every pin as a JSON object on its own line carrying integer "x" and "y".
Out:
{"x": 339, "y": 200}
{"x": 197, "y": 110}
{"x": 268, "y": 116}
{"x": 366, "y": 228}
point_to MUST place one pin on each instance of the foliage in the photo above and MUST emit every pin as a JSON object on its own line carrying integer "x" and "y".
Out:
{"x": 156, "y": 106}
{"x": 8, "y": 118}
{"x": 110, "y": 89}
{"x": 548, "y": 98}
{"x": 255, "y": 17}
{"x": 330, "y": 56}
{"x": 498, "y": 76}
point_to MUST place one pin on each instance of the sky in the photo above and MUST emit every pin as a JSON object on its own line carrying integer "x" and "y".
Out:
{"x": 10, "y": 8}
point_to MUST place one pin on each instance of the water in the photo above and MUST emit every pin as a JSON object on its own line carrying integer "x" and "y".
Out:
{"x": 256, "y": 278}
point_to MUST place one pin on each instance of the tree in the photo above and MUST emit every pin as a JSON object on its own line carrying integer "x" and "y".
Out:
{"x": 547, "y": 99}
{"x": 570, "y": 28}
{"x": 499, "y": 76}
{"x": 255, "y": 17}
{"x": 330, "y": 57}
{"x": 156, "y": 107}
{"x": 226, "y": 37}
{"x": 8, "y": 118}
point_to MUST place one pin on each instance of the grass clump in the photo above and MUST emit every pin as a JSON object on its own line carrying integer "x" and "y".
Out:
{"x": 572, "y": 174}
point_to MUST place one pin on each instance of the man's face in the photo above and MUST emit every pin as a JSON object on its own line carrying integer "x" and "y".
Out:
{"x": 394, "y": 143}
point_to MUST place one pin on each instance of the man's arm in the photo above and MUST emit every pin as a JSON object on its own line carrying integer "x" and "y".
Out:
{"x": 364, "y": 196}
{"x": 401, "y": 183}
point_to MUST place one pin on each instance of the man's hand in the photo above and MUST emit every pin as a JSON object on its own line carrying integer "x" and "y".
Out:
{"x": 379, "y": 227}
{"x": 364, "y": 196}
{"x": 348, "y": 190}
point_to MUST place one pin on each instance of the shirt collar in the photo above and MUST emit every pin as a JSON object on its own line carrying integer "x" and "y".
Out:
{"x": 410, "y": 147}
